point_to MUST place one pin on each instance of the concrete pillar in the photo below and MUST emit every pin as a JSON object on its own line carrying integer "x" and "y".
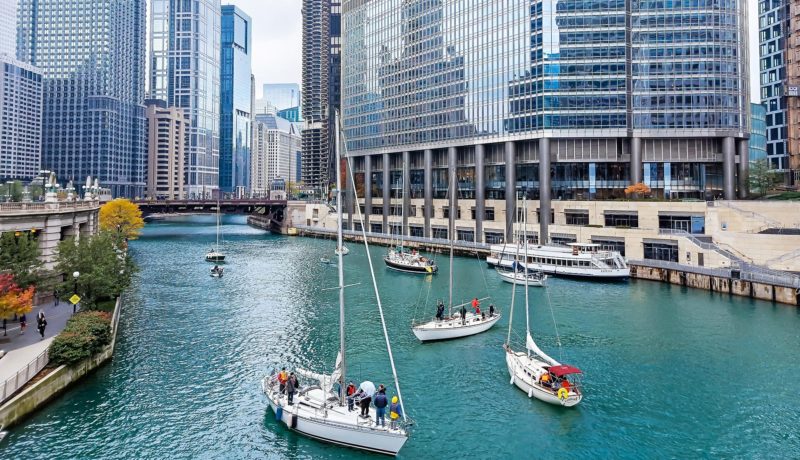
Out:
{"x": 349, "y": 192}
{"x": 367, "y": 190}
{"x": 428, "y": 160}
{"x": 636, "y": 160}
{"x": 480, "y": 193}
{"x": 406, "y": 189}
{"x": 387, "y": 188}
{"x": 544, "y": 190}
{"x": 729, "y": 168}
{"x": 744, "y": 167}
{"x": 453, "y": 179}
{"x": 511, "y": 188}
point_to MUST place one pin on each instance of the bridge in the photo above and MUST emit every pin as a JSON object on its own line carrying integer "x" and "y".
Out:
{"x": 263, "y": 209}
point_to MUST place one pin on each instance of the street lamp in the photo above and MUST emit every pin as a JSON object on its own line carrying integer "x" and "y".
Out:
{"x": 75, "y": 276}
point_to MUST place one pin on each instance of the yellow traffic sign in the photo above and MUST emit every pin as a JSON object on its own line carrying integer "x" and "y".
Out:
{"x": 75, "y": 299}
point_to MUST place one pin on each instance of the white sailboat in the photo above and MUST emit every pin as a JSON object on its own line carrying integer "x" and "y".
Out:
{"x": 407, "y": 260}
{"x": 519, "y": 274}
{"x": 321, "y": 412}
{"x": 215, "y": 255}
{"x": 535, "y": 372}
{"x": 341, "y": 250}
{"x": 453, "y": 327}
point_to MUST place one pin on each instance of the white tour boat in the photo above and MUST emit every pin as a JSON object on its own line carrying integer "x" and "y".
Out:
{"x": 320, "y": 411}
{"x": 586, "y": 260}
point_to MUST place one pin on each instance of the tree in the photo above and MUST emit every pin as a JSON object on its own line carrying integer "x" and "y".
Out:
{"x": 762, "y": 178}
{"x": 19, "y": 254}
{"x": 122, "y": 217}
{"x": 14, "y": 300}
{"x": 105, "y": 269}
{"x": 637, "y": 189}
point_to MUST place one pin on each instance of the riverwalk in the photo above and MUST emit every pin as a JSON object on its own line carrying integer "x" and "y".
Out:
{"x": 22, "y": 349}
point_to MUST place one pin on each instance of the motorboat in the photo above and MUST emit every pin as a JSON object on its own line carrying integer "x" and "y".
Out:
{"x": 217, "y": 272}
{"x": 585, "y": 260}
{"x": 343, "y": 251}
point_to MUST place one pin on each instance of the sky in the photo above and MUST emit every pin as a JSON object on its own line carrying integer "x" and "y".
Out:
{"x": 277, "y": 41}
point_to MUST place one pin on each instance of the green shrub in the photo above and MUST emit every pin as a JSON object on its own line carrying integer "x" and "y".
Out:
{"x": 85, "y": 334}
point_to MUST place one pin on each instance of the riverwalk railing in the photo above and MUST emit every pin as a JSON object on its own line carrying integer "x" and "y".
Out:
{"x": 13, "y": 384}
{"x": 444, "y": 242}
{"x": 746, "y": 272}
{"x": 57, "y": 206}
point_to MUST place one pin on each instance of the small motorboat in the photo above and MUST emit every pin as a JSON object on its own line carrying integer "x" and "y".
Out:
{"x": 217, "y": 271}
{"x": 325, "y": 260}
{"x": 343, "y": 250}
{"x": 514, "y": 276}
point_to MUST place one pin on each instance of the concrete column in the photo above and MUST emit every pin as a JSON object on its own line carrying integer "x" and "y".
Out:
{"x": 387, "y": 188}
{"x": 636, "y": 160}
{"x": 428, "y": 160}
{"x": 367, "y": 190}
{"x": 480, "y": 193}
{"x": 544, "y": 190}
{"x": 729, "y": 168}
{"x": 511, "y": 188}
{"x": 406, "y": 189}
{"x": 349, "y": 192}
{"x": 453, "y": 179}
{"x": 744, "y": 167}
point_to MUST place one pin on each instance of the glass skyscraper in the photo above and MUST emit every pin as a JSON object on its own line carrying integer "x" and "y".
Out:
{"x": 773, "y": 25}
{"x": 235, "y": 104}
{"x": 185, "y": 71}
{"x": 758, "y": 132}
{"x": 91, "y": 55}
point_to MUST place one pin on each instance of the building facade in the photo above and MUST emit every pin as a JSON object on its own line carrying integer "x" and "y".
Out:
{"x": 793, "y": 94}
{"x": 567, "y": 100}
{"x": 282, "y": 95}
{"x": 320, "y": 94}
{"x": 277, "y": 145}
{"x": 167, "y": 129}
{"x": 93, "y": 89}
{"x": 758, "y": 132}
{"x": 185, "y": 71}
{"x": 773, "y": 25}
{"x": 8, "y": 27}
{"x": 236, "y": 104}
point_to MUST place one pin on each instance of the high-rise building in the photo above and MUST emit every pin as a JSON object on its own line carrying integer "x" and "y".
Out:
{"x": 276, "y": 145}
{"x": 574, "y": 100}
{"x": 91, "y": 55}
{"x": 320, "y": 95}
{"x": 235, "y": 98}
{"x": 758, "y": 132}
{"x": 167, "y": 129}
{"x": 185, "y": 71}
{"x": 773, "y": 19}
{"x": 282, "y": 95}
{"x": 793, "y": 93}
{"x": 8, "y": 27}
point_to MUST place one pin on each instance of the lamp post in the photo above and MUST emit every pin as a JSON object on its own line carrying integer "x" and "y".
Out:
{"x": 75, "y": 276}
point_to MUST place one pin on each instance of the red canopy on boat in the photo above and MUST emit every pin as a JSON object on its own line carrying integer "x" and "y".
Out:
{"x": 562, "y": 370}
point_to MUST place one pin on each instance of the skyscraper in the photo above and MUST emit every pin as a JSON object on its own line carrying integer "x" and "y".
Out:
{"x": 166, "y": 145}
{"x": 275, "y": 149}
{"x": 235, "y": 101}
{"x": 92, "y": 67}
{"x": 321, "y": 64}
{"x": 185, "y": 71}
{"x": 773, "y": 17}
{"x": 573, "y": 99}
{"x": 758, "y": 132}
{"x": 8, "y": 27}
{"x": 282, "y": 95}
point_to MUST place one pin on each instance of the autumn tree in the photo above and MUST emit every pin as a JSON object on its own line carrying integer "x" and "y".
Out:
{"x": 637, "y": 189}
{"x": 14, "y": 300}
{"x": 122, "y": 218}
{"x": 19, "y": 254}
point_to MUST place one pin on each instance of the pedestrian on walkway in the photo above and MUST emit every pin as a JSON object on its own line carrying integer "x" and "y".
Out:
{"x": 55, "y": 295}
{"x": 5, "y": 324}
{"x": 23, "y": 323}
{"x": 41, "y": 323}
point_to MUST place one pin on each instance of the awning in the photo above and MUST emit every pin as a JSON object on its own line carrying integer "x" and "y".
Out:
{"x": 563, "y": 369}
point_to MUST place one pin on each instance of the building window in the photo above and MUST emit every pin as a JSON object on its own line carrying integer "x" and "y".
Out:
{"x": 661, "y": 251}
{"x": 493, "y": 237}
{"x": 465, "y": 235}
{"x": 577, "y": 217}
{"x": 358, "y": 227}
{"x": 625, "y": 220}
{"x": 488, "y": 214}
{"x": 562, "y": 239}
{"x": 377, "y": 210}
{"x": 446, "y": 212}
{"x": 539, "y": 216}
{"x": 396, "y": 229}
{"x": 396, "y": 210}
{"x": 376, "y": 228}
{"x": 610, "y": 245}
{"x": 439, "y": 232}
{"x": 416, "y": 230}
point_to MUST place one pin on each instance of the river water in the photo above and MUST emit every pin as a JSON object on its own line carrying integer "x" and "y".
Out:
{"x": 669, "y": 371}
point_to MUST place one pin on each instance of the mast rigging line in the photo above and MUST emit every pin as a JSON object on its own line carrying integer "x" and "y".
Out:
{"x": 339, "y": 136}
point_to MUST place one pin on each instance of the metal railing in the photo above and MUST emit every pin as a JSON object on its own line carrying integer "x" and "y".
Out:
{"x": 669, "y": 265}
{"x": 45, "y": 206}
{"x": 702, "y": 244}
{"x": 470, "y": 245}
{"x": 746, "y": 272}
{"x": 23, "y": 376}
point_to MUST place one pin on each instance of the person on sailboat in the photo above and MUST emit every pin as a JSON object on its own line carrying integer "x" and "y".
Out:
{"x": 475, "y": 303}
{"x": 351, "y": 391}
{"x": 463, "y": 315}
{"x": 440, "y": 311}
{"x": 291, "y": 386}
{"x": 491, "y": 310}
{"x": 380, "y": 406}
{"x": 282, "y": 378}
{"x": 395, "y": 412}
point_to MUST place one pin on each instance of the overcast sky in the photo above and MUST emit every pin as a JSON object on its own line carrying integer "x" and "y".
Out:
{"x": 277, "y": 41}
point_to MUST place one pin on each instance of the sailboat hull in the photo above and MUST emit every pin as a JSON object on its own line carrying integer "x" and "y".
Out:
{"x": 215, "y": 258}
{"x": 519, "y": 279}
{"x": 523, "y": 370}
{"x": 425, "y": 270}
{"x": 452, "y": 329}
{"x": 334, "y": 424}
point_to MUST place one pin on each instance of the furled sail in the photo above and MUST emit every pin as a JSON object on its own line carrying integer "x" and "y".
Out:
{"x": 537, "y": 351}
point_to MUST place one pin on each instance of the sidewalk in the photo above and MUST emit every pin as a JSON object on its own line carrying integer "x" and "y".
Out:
{"x": 21, "y": 348}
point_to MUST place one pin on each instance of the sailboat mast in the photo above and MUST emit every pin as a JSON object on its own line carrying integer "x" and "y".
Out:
{"x": 217, "y": 248}
{"x": 451, "y": 229}
{"x": 514, "y": 284}
{"x": 525, "y": 266}
{"x": 340, "y": 246}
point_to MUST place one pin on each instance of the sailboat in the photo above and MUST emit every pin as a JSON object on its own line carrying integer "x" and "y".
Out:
{"x": 534, "y": 371}
{"x": 519, "y": 273}
{"x": 214, "y": 255}
{"x": 450, "y": 326}
{"x": 341, "y": 252}
{"x": 320, "y": 410}
{"x": 407, "y": 260}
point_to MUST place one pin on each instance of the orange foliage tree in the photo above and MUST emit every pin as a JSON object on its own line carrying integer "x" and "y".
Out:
{"x": 639, "y": 189}
{"x": 13, "y": 299}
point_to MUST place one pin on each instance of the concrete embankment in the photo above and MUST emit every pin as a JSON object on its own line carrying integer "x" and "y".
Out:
{"x": 36, "y": 395}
